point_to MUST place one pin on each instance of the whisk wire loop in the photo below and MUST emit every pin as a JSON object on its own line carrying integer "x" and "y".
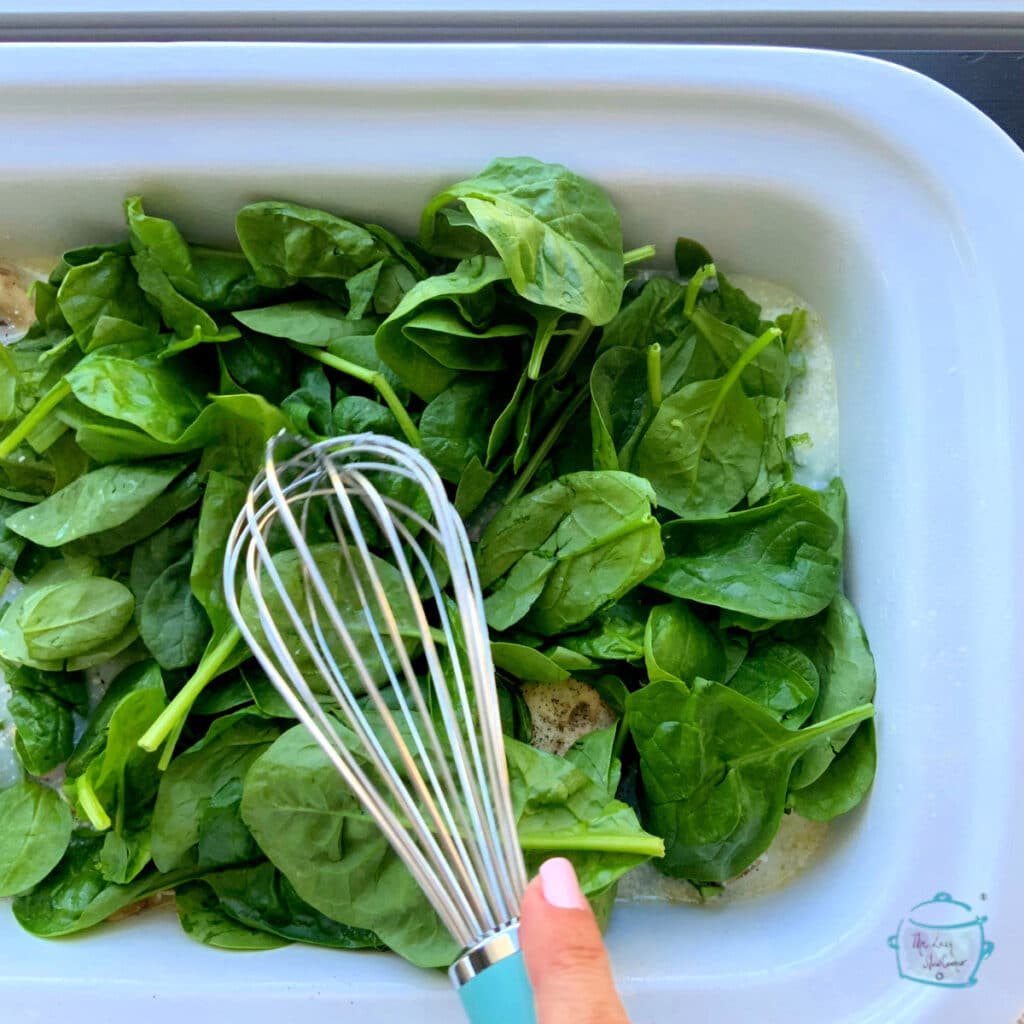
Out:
{"x": 430, "y": 766}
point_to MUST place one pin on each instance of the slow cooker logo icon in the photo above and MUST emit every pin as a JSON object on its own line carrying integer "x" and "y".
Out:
{"x": 941, "y": 942}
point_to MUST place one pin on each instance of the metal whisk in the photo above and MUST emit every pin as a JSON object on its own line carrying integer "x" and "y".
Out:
{"x": 352, "y": 546}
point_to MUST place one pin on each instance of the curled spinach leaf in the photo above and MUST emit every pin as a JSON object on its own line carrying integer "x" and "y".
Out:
{"x": 557, "y": 234}
{"x": 716, "y": 768}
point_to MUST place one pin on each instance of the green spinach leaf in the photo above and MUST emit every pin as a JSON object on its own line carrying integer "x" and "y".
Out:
{"x": 36, "y": 832}
{"x": 100, "y": 500}
{"x": 566, "y": 550}
{"x": 557, "y": 234}
{"x": 716, "y": 769}
{"x": 204, "y": 919}
{"x": 779, "y": 560}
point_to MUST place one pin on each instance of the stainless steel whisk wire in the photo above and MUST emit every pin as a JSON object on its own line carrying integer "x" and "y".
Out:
{"x": 456, "y": 835}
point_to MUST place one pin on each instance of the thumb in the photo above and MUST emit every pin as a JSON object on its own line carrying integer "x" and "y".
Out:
{"x": 565, "y": 956}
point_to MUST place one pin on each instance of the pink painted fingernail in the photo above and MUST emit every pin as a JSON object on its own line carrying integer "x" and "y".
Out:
{"x": 558, "y": 880}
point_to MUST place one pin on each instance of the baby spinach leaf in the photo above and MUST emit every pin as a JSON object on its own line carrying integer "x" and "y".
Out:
{"x": 25, "y": 478}
{"x": 121, "y": 774}
{"x": 67, "y": 687}
{"x": 594, "y": 754}
{"x": 443, "y": 326}
{"x": 316, "y": 322}
{"x": 286, "y": 243}
{"x": 74, "y": 617}
{"x": 557, "y": 234}
{"x": 183, "y": 493}
{"x": 229, "y": 692}
{"x": 106, "y": 287}
{"x": 715, "y": 769}
{"x": 702, "y": 450}
{"x": 172, "y": 623}
{"x": 156, "y": 553}
{"x": 733, "y": 306}
{"x": 621, "y": 407}
{"x": 156, "y": 399}
{"x": 782, "y": 679}
{"x": 75, "y": 895}
{"x": 766, "y": 374}
{"x": 196, "y": 819}
{"x": 356, "y": 414}
{"x": 44, "y": 730}
{"x": 308, "y": 407}
{"x": 690, "y": 256}
{"x": 679, "y": 645}
{"x": 222, "y": 502}
{"x": 455, "y": 426}
{"x": 261, "y": 897}
{"x": 778, "y": 560}
{"x": 775, "y": 469}
{"x": 126, "y": 647}
{"x": 11, "y": 545}
{"x": 613, "y": 634}
{"x": 191, "y": 324}
{"x": 142, "y": 676}
{"x": 318, "y": 835}
{"x": 847, "y": 671}
{"x": 259, "y": 365}
{"x": 568, "y": 549}
{"x": 203, "y": 918}
{"x": 345, "y": 595}
{"x": 562, "y": 809}
{"x": 844, "y": 783}
{"x": 213, "y": 278}
{"x": 233, "y": 429}
{"x": 100, "y": 500}
{"x": 12, "y": 641}
{"x": 125, "y": 854}
{"x": 654, "y": 317}
{"x": 526, "y": 663}
{"x": 36, "y": 832}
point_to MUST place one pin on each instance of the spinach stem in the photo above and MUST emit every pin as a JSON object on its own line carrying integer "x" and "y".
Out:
{"x": 172, "y": 741}
{"x": 695, "y": 285}
{"x": 521, "y": 482}
{"x": 35, "y": 416}
{"x": 810, "y": 734}
{"x": 88, "y": 801}
{"x": 375, "y": 379}
{"x": 573, "y": 347}
{"x": 654, "y": 375}
{"x": 645, "y": 252}
{"x": 540, "y": 348}
{"x": 643, "y": 845}
{"x": 177, "y": 711}
{"x": 5, "y": 577}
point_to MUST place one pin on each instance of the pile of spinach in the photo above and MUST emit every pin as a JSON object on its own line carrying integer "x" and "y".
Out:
{"x": 617, "y": 445}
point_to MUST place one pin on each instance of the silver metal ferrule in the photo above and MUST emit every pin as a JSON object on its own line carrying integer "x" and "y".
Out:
{"x": 486, "y": 953}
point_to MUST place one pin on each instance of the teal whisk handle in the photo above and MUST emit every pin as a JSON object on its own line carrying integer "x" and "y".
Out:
{"x": 498, "y": 993}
